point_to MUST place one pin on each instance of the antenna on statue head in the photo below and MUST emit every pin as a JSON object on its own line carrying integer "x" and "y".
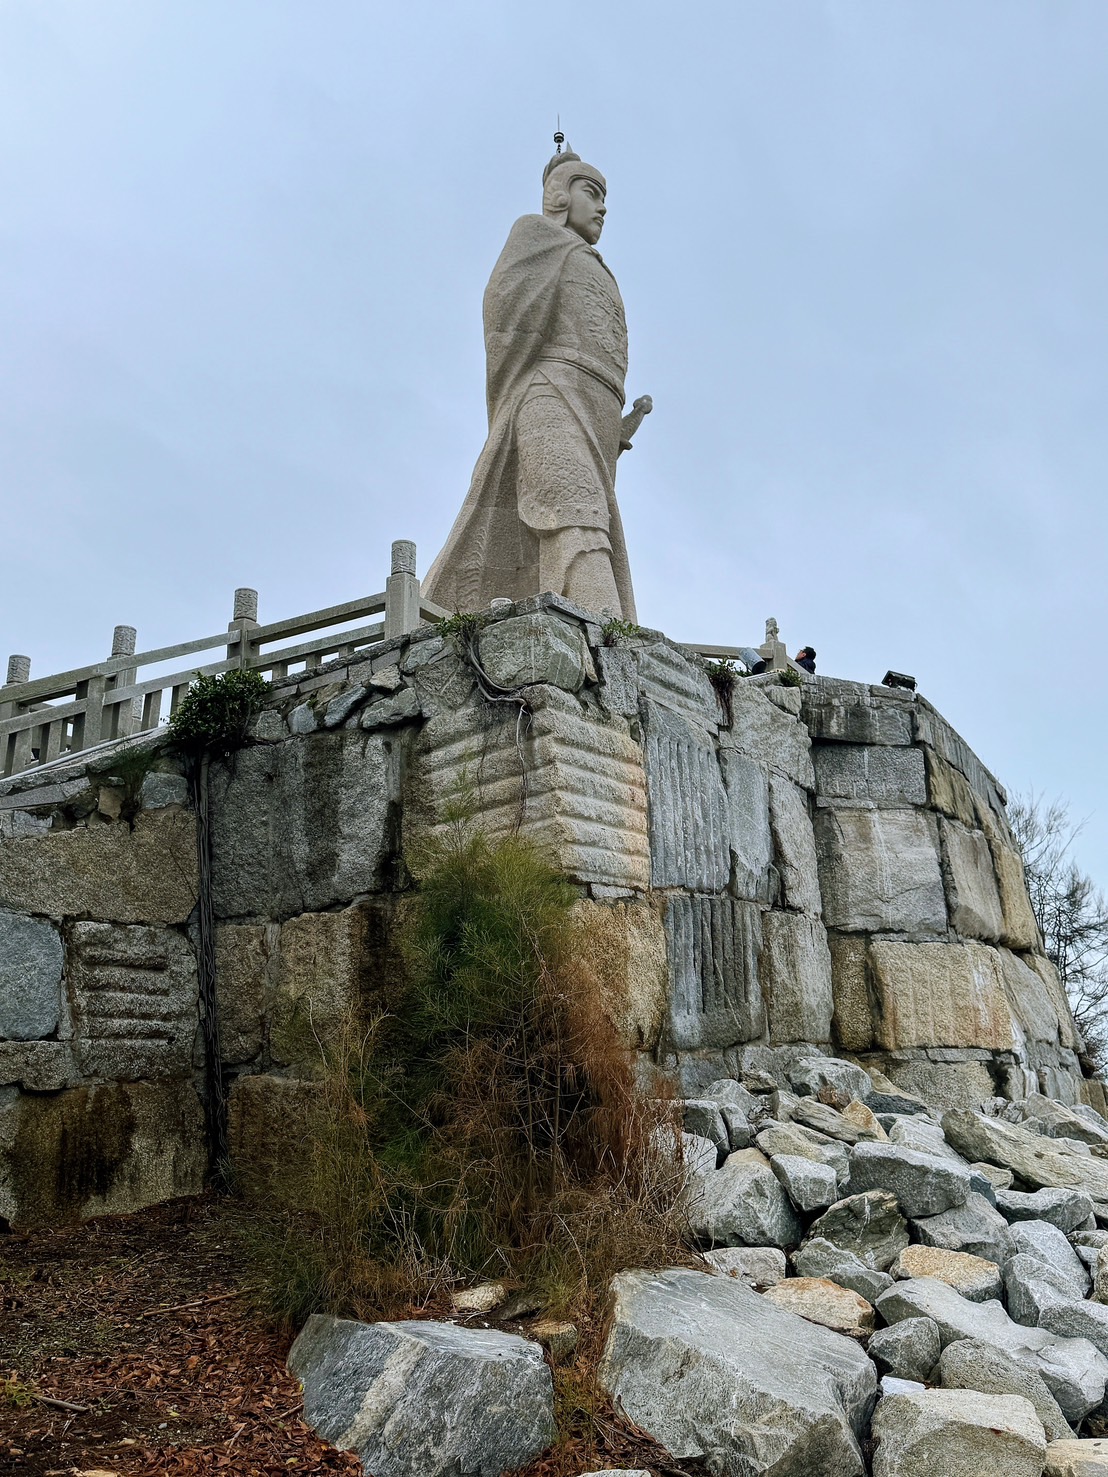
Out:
{"x": 559, "y": 136}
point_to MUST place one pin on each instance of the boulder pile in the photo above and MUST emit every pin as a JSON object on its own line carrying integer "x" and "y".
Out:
{"x": 883, "y": 1289}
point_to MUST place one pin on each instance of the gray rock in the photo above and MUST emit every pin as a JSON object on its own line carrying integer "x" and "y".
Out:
{"x": 1066, "y": 1209}
{"x": 1057, "y": 1121}
{"x": 1047, "y": 1244}
{"x": 1073, "y": 1370}
{"x": 742, "y": 1204}
{"x": 303, "y": 719}
{"x": 975, "y": 1227}
{"x": 958, "y": 1433}
{"x": 814, "y": 1075}
{"x": 341, "y": 706}
{"x": 908, "y": 1350}
{"x": 1031, "y": 1286}
{"x": 794, "y": 846}
{"x": 821, "y": 1258}
{"x": 861, "y": 891}
{"x": 746, "y": 825}
{"x": 740, "y": 1135}
{"x": 702, "y": 1117}
{"x": 822, "y": 1119}
{"x": 881, "y": 774}
{"x": 1078, "y": 1320}
{"x": 1087, "y": 1458}
{"x": 30, "y": 978}
{"x": 969, "y": 1364}
{"x": 725, "y": 1090}
{"x": 975, "y": 1278}
{"x": 810, "y": 1186}
{"x": 793, "y": 1138}
{"x": 698, "y": 1154}
{"x": 674, "y": 1364}
{"x": 541, "y": 647}
{"x": 425, "y": 1397}
{"x": 388, "y": 712}
{"x": 40, "y": 1066}
{"x": 758, "y": 1266}
{"x": 869, "y": 1225}
{"x": 159, "y": 790}
{"x": 339, "y": 786}
{"x": 1036, "y": 1160}
{"x": 923, "y": 1184}
{"x": 712, "y": 943}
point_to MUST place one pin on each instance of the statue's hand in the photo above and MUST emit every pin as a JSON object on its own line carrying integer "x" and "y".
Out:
{"x": 633, "y": 420}
{"x": 644, "y": 404}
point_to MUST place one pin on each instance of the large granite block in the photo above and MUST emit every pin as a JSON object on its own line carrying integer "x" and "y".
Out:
{"x": 794, "y": 846}
{"x": 244, "y": 959}
{"x": 140, "y": 874}
{"x": 133, "y": 997}
{"x": 794, "y": 968}
{"x": 1034, "y": 1008}
{"x": 302, "y": 825}
{"x": 318, "y": 969}
{"x": 623, "y": 945}
{"x": 852, "y": 1019}
{"x": 879, "y": 871}
{"x": 770, "y": 736}
{"x": 30, "y": 978}
{"x": 541, "y": 647}
{"x": 689, "y": 822}
{"x": 713, "y": 945}
{"x": 747, "y": 818}
{"x": 939, "y": 995}
{"x": 108, "y": 1149}
{"x": 885, "y": 775}
{"x": 971, "y": 889}
{"x": 1020, "y": 930}
{"x": 856, "y": 713}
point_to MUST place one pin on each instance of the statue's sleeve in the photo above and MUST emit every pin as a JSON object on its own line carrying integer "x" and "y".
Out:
{"x": 520, "y": 301}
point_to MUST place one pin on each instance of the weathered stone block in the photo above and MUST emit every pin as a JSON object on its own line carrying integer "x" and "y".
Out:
{"x": 1020, "y": 931}
{"x": 425, "y": 1397}
{"x": 274, "y": 1125}
{"x": 317, "y": 971}
{"x": 159, "y": 790}
{"x": 794, "y": 846}
{"x": 101, "y": 1150}
{"x": 852, "y": 1016}
{"x": 142, "y": 875}
{"x": 541, "y": 647}
{"x": 939, "y": 995}
{"x": 30, "y": 978}
{"x": 856, "y": 713}
{"x": 960, "y": 1433}
{"x": 818, "y": 1300}
{"x": 713, "y": 945}
{"x": 689, "y": 829}
{"x": 881, "y": 774}
{"x": 794, "y": 968}
{"x": 243, "y": 960}
{"x": 742, "y": 1204}
{"x": 772, "y": 738}
{"x": 675, "y": 1366}
{"x": 949, "y": 791}
{"x": 302, "y": 825}
{"x": 39, "y": 1066}
{"x": 1033, "y": 1007}
{"x": 971, "y": 888}
{"x": 133, "y": 994}
{"x": 879, "y": 871}
{"x": 942, "y": 1084}
{"x": 747, "y": 823}
{"x": 624, "y": 946}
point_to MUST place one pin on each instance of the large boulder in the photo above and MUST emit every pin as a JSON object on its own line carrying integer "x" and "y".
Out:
{"x": 975, "y": 1228}
{"x": 959, "y": 1433}
{"x": 869, "y": 1225}
{"x": 1039, "y": 1161}
{"x": 1044, "y": 1242}
{"x": 742, "y": 1204}
{"x": 908, "y": 1350}
{"x": 1077, "y": 1459}
{"x": 974, "y": 1277}
{"x": 1078, "y": 1320}
{"x": 970, "y": 1364}
{"x": 425, "y": 1397}
{"x": 714, "y": 1371}
{"x": 923, "y": 1184}
{"x": 1074, "y": 1371}
{"x": 824, "y": 1302}
{"x": 1031, "y": 1287}
{"x": 1066, "y": 1209}
{"x": 810, "y": 1186}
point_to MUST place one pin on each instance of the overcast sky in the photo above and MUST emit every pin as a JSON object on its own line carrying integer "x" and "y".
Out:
{"x": 862, "y": 245}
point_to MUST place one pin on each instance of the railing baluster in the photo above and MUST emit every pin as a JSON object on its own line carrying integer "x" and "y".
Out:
{"x": 120, "y": 720}
{"x": 151, "y": 710}
{"x": 244, "y": 620}
{"x": 402, "y": 591}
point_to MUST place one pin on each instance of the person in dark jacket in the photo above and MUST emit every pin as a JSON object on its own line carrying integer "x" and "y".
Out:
{"x": 806, "y": 658}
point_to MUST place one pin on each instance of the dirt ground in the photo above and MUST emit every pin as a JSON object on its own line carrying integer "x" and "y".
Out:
{"x": 131, "y": 1346}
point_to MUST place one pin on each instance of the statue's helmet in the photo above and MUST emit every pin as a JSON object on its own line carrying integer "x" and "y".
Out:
{"x": 557, "y": 177}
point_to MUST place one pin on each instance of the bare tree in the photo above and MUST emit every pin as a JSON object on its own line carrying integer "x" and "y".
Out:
{"x": 1071, "y": 911}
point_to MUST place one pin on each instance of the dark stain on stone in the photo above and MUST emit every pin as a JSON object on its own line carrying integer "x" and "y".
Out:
{"x": 69, "y": 1148}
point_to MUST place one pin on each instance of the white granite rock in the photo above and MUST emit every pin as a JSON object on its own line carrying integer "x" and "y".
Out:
{"x": 922, "y": 1183}
{"x": 742, "y": 1204}
{"x": 959, "y": 1433}
{"x": 908, "y": 1350}
{"x": 713, "y": 1370}
{"x": 810, "y": 1186}
{"x": 1066, "y": 1209}
{"x": 1077, "y": 1459}
{"x": 969, "y": 1364}
{"x": 425, "y": 1397}
{"x": 868, "y": 1225}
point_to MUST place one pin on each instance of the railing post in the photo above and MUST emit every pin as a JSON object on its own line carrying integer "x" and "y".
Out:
{"x": 15, "y": 752}
{"x": 774, "y": 651}
{"x": 19, "y": 670}
{"x": 121, "y": 716}
{"x": 402, "y": 591}
{"x": 244, "y": 620}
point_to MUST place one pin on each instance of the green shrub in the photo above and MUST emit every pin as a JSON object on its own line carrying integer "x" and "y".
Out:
{"x": 214, "y": 713}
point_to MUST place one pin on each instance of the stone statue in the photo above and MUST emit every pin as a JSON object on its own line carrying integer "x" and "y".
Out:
{"x": 541, "y": 512}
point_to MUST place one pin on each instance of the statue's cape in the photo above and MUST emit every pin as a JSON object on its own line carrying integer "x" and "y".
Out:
{"x": 489, "y": 552}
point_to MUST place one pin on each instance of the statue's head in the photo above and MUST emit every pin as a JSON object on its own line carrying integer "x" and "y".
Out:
{"x": 573, "y": 194}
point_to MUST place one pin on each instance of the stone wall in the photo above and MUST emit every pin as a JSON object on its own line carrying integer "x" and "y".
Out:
{"x": 824, "y": 866}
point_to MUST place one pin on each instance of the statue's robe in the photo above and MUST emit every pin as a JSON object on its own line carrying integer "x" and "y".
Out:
{"x": 543, "y": 489}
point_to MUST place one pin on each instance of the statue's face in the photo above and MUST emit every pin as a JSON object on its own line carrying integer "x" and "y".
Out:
{"x": 586, "y": 210}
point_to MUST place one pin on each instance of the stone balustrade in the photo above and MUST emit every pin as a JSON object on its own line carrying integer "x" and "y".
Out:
{"x": 49, "y": 718}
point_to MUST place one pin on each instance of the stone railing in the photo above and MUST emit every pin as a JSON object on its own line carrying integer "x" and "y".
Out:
{"x": 773, "y": 652}
{"x": 47, "y": 718}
